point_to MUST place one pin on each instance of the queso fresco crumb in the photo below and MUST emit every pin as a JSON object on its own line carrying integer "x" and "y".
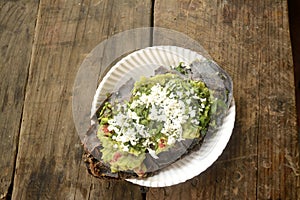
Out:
{"x": 162, "y": 110}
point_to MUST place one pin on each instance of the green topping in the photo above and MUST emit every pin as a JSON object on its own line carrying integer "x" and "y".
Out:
{"x": 182, "y": 68}
{"x": 162, "y": 110}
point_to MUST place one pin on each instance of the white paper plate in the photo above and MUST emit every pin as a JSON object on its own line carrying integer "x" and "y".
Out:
{"x": 143, "y": 63}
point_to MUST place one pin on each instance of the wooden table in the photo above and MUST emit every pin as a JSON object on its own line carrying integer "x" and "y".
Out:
{"x": 43, "y": 43}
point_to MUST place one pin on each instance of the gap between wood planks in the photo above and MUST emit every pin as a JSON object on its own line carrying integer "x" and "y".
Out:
{"x": 143, "y": 190}
{"x": 152, "y": 20}
{"x": 294, "y": 21}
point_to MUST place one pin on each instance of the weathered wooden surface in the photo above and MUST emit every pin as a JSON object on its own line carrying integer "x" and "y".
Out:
{"x": 49, "y": 163}
{"x": 250, "y": 39}
{"x": 17, "y": 22}
{"x": 42, "y": 45}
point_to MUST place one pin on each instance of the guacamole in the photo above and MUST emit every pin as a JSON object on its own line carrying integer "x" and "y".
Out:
{"x": 163, "y": 109}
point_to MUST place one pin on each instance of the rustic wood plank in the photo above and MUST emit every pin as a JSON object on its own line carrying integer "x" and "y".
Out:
{"x": 49, "y": 163}
{"x": 251, "y": 41}
{"x": 17, "y": 23}
{"x": 278, "y": 162}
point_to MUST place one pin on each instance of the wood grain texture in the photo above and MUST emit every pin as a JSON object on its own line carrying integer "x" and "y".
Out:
{"x": 49, "y": 163}
{"x": 42, "y": 44}
{"x": 17, "y": 23}
{"x": 250, "y": 40}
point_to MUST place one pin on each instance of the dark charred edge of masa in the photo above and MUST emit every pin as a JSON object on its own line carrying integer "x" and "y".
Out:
{"x": 98, "y": 169}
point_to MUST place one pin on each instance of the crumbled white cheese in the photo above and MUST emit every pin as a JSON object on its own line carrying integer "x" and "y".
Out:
{"x": 125, "y": 148}
{"x": 166, "y": 107}
{"x": 171, "y": 140}
{"x": 185, "y": 65}
{"x": 192, "y": 113}
{"x": 132, "y": 115}
{"x": 152, "y": 153}
{"x": 202, "y": 99}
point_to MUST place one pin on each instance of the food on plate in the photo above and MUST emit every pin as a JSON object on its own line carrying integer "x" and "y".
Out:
{"x": 151, "y": 123}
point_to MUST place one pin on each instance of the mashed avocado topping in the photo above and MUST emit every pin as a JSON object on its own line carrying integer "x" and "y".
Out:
{"x": 163, "y": 109}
